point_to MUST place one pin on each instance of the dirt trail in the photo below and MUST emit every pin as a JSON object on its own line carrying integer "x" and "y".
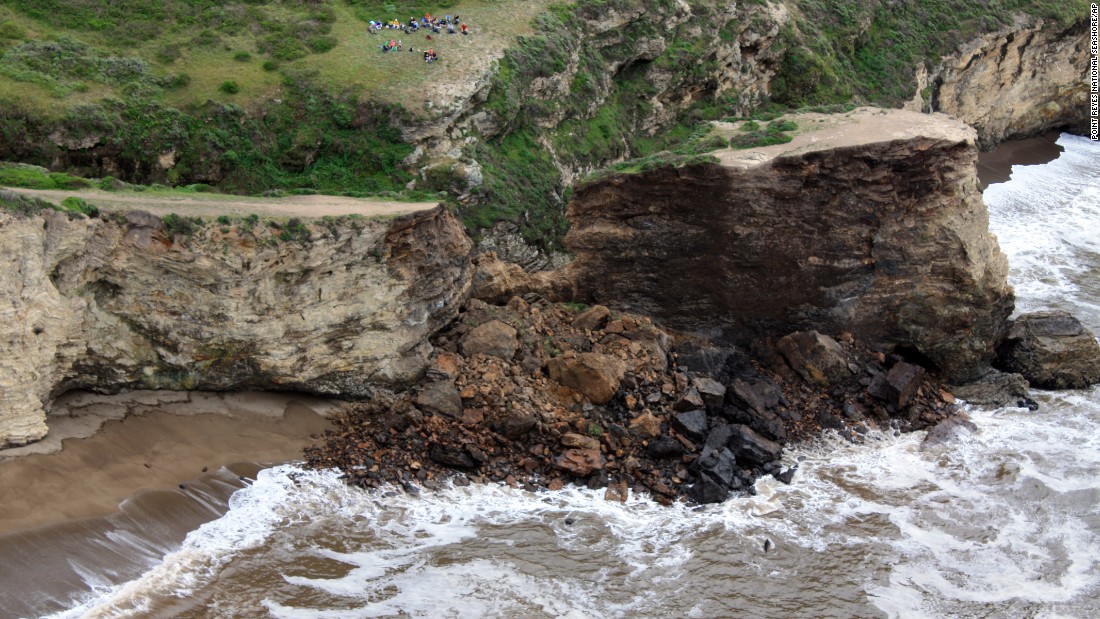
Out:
{"x": 212, "y": 205}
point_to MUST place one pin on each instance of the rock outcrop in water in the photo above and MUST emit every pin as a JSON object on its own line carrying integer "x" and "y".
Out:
{"x": 120, "y": 304}
{"x": 869, "y": 222}
{"x": 1052, "y": 350}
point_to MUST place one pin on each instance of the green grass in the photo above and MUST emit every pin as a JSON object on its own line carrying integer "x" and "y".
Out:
{"x": 35, "y": 177}
{"x": 294, "y": 95}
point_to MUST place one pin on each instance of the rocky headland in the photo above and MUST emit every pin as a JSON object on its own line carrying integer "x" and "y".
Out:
{"x": 713, "y": 313}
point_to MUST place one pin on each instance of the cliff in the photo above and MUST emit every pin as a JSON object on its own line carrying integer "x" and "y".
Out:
{"x": 869, "y": 222}
{"x": 120, "y": 304}
{"x": 1017, "y": 82}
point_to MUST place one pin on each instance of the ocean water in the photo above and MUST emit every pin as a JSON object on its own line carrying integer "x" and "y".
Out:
{"x": 1004, "y": 522}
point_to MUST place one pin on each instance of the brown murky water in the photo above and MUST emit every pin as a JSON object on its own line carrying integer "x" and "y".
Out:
{"x": 1001, "y": 523}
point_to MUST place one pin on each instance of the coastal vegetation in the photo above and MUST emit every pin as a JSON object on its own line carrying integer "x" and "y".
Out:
{"x": 270, "y": 96}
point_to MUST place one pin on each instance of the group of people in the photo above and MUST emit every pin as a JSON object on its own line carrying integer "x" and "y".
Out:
{"x": 427, "y": 23}
{"x": 453, "y": 25}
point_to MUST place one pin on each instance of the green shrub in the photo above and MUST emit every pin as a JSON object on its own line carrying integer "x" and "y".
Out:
{"x": 223, "y": 220}
{"x": 65, "y": 181}
{"x": 174, "y": 225}
{"x": 781, "y": 125}
{"x": 110, "y": 183}
{"x": 322, "y": 44}
{"x": 750, "y": 125}
{"x": 12, "y": 30}
{"x": 206, "y": 38}
{"x": 242, "y": 57}
{"x": 78, "y": 205}
{"x": 168, "y": 53}
{"x": 295, "y": 230}
{"x": 270, "y": 65}
{"x": 22, "y": 175}
{"x": 179, "y": 80}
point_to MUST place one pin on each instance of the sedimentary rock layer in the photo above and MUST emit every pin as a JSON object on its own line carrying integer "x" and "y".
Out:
{"x": 871, "y": 222}
{"x": 112, "y": 305}
{"x": 1016, "y": 83}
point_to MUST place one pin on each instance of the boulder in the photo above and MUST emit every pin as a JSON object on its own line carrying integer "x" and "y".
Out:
{"x": 817, "y": 358}
{"x": 593, "y": 318}
{"x": 751, "y": 447}
{"x": 580, "y": 462}
{"x": 720, "y": 465}
{"x": 580, "y": 441}
{"x": 440, "y": 398}
{"x": 994, "y": 388}
{"x": 596, "y": 376}
{"x": 452, "y": 456}
{"x": 742, "y": 395}
{"x": 690, "y": 400}
{"x": 899, "y": 386}
{"x": 706, "y": 490}
{"x": 691, "y": 424}
{"x": 1052, "y": 350}
{"x": 711, "y": 391}
{"x": 492, "y": 338}
{"x": 664, "y": 447}
{"x": 947, "y": 430}
{"x": 515, "y": 425}
{"x": 646, "y": 425}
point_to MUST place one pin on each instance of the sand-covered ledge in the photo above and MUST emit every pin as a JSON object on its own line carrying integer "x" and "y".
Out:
{"x": 103, "y": 449}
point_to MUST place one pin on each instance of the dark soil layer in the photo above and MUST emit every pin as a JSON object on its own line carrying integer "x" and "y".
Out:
{"x": 543, "y": 396}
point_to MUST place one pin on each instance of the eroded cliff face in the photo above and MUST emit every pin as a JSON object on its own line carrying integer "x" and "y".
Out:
{"x": 1017, "y": 83}
{"x": 109, "y": 305}
{"x": 871, "y": 223}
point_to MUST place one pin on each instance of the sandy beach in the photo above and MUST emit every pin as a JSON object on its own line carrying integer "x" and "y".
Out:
{"x": 104, "y": 449}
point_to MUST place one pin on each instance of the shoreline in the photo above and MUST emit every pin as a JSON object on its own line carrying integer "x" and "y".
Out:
{"x": 995, "y": 166}
{"x": 104, "y": 450}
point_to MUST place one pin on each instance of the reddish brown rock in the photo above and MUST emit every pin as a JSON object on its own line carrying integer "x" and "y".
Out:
{"x": 646, "y": 425}
{"x": 596, "y": 376}
{"x": 593, "y": 318}
{"x": 580, "y": 462}
{"x": 493, "y": 338}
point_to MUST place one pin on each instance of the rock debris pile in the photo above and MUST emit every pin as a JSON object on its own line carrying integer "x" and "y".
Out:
{"x": 540, "y": 396}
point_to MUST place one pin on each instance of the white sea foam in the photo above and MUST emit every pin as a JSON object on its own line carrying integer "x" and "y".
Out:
{"x": 1047, "y": 219}
{"x": 276, "y": 497}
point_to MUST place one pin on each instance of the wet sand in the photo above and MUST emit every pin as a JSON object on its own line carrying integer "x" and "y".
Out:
{"x": 121, "y": 480}
{"x": 995, "y": 166}
{"x": 136, "y": 449}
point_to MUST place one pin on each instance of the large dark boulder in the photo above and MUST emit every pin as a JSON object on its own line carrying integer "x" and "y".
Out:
{"x": 994, "y": 388}
{"x": 753, "y": 448}
{"x": 899, "y": 386}
{"x": 692, "y": 424}
{"x": 1052, "y": 350}
{"x": 817, "y": 358}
